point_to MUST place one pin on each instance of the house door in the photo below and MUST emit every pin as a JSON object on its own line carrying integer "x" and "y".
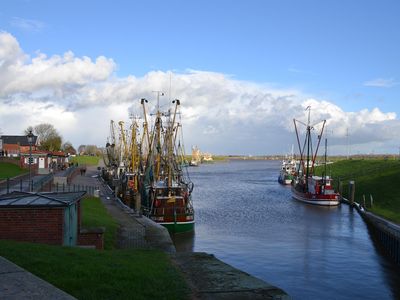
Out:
{"x": 41, "y": 162}
{"x": 70, "y": 225}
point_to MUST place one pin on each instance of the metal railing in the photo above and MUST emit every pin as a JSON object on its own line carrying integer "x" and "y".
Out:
{"x": 44, "y": 184}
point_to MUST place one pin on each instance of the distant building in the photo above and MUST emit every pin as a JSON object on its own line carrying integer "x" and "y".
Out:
{"x": 44, "y": 162}
{"x": 13, "y": 145}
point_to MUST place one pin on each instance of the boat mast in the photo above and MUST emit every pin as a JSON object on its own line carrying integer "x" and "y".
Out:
{"x": 319, "y": 141}
{"x": 171, "y": 144}
{"x": 158, "y": 135}
{"x": 134, "y": 154}
{"x": 326, "y": 150}
{"x": 308, "y": 146}
{"x": 145, "y": 126}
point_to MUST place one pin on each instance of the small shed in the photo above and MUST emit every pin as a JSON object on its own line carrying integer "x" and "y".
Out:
{"x": 49, "y": 218}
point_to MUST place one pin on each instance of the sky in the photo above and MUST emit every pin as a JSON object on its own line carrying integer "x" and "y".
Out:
{"x": 241, "y": 69}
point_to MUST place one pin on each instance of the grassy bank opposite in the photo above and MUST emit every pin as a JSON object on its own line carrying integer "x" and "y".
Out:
{"x": 85, "y": 160}
{"x": 9, "y": 170}
{"x": 378, "y": 178}
{"x": 93, "y": 274}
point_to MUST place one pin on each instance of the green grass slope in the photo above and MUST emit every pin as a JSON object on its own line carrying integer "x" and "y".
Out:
{"x": 93, "y": 274}
{"x": 9, "y": 170}
{"x": 379, "y": 178}
{"x": 85, "y": 160}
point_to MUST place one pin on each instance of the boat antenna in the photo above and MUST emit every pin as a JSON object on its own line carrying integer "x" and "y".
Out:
{"x": 159, "y": 93}
{"x": 309, "y": 112}
{"x": 169, "y": 92}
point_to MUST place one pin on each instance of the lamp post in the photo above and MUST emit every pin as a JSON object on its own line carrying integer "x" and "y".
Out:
{"x": 30, "y": 140}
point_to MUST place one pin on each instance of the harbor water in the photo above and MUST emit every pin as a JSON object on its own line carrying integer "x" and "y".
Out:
{"x": 247, "y": 219}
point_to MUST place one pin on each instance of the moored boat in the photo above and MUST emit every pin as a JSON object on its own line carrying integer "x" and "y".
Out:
{"x": 165, "y": 188}
{"x": 288, "y": 170}
{"x": 307, "y": 187}
{"x": 320, "y": 191}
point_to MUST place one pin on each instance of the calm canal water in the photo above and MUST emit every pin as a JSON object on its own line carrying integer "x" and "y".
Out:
{"x": 245, "y": 218}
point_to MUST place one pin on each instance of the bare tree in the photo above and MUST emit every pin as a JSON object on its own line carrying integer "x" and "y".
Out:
{"x": 48, "y": 137}
{"x": 91, "y": 149}
{"x": 68, "y": 148}
{"x": 82, "y": 149}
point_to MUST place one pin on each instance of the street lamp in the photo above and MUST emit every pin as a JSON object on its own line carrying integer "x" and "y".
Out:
{"x": 30, "y": 141}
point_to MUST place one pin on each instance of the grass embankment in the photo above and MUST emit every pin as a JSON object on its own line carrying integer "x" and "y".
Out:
{"x": 379, "y": 178}
{"x": 93, "y": 274}
{"x": 85, "y": 160}
{"x": 9, "y": 170}
{"x": 94, "y": 214}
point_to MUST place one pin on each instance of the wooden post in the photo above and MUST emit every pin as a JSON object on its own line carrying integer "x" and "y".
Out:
{"x": 372, "y": 200}
{"x": 137, "y": 202}
{"x": 352, "y": 190}
{"x": 340, "y": 188}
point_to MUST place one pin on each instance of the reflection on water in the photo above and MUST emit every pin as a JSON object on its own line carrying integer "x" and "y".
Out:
{"x": 184, "y": 242}
{"x": 248, "y": 220}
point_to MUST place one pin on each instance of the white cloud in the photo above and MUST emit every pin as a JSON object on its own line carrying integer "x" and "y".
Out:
{"x": 381, "y": 82}
{"x": 27, "y": 24}
{"x": 80, "y": 95}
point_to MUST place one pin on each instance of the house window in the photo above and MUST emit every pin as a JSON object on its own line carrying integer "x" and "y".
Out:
{"x": 27, "y": 160}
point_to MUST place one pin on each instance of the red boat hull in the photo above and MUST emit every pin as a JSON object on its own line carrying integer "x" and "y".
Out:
{"x": 316, "y": 199}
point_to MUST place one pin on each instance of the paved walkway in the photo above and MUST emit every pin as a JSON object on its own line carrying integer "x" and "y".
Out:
{"x": 17, "y": 283}
{"x": 135, "y": 232}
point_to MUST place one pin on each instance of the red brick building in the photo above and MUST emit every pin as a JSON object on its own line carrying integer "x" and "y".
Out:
{"x": 13, "y": 145}
{"x": 48, "y": 218}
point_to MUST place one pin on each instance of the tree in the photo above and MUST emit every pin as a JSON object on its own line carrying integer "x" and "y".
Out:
{"x": 91, "y": 149}
{"x": 26, "y": 131}
{"x": 48, "y": 137}
{"x": 68, "y": 148}
{"x": 81, "y": 149}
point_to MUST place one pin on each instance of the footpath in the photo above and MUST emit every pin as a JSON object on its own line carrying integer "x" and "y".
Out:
{"x": 17, "y": 283}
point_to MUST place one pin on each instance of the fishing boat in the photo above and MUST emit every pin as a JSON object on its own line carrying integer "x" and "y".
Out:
{"x": 288, "y": 170}
{"x": 165, "y": 188}
{"x": 196, "y": 157}
{"x": 307, "y": 187}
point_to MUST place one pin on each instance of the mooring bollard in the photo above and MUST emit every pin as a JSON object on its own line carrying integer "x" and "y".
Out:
{"x": 352, "y": 190}
{"x": 137, "y": 202}
{"x": 340, "y": 188}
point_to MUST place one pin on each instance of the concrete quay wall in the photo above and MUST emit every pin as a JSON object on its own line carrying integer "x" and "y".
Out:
{"x": 387, "y": 233}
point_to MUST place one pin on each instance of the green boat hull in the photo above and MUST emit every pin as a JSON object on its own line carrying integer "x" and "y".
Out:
{"x": 179, "y": 227}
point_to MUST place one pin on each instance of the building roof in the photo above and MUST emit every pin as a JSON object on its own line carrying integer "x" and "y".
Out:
{"x": 21, "y": 140}
{"x": 24, "y": 199}
{"x": 44, "y": 153}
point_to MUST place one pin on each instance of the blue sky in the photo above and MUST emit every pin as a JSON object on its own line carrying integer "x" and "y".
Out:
{"x": 344, "y": 52}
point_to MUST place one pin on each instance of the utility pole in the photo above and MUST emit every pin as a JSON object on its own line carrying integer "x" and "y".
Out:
{"x": 347, "y": 140}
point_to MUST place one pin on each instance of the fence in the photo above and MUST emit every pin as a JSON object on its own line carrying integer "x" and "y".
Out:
{"x": 43, "y": 184}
